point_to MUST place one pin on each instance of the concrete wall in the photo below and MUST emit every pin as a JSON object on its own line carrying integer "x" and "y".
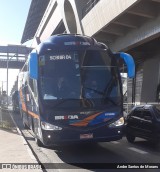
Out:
{"x": 151, "y": 78}
{"x": 49, "y": 22}
{"x": 60, "y": 11}
{"x": 103, "y": 13}
{"x": 71, "y": 16}
{"x": 55, "y": 18}
{"x": 144, "y": 33}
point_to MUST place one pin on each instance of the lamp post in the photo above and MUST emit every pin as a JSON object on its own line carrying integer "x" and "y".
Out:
{"x": 2, "y": 86}
{"x": 0, "y": 103}
{"x": 8, "y": 60}
{"x": 1, "y": 118}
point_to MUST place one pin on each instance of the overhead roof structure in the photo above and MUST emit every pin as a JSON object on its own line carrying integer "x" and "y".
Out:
{"x": 14, "y": 55}
{"x": 35, "y": 14}
{"x": 131, "y": 19}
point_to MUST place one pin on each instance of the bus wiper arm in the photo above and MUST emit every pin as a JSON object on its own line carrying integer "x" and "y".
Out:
{"x": 103, "y": 94}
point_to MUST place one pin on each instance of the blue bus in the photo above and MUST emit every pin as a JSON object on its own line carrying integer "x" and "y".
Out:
{"x": 70, "y": 91}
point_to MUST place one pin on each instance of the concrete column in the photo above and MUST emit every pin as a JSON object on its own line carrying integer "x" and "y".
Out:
{"x": 151, "y": 77}
{"x": 71, "y": 17}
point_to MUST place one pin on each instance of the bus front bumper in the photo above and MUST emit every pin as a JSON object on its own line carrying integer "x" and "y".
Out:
{"x": 71, "y": 135}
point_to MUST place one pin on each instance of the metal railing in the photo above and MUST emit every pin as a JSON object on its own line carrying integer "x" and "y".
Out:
{"x": 14, "y": 60}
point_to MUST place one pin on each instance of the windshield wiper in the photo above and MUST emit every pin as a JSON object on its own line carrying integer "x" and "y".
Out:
{"x": 103, "y": 94}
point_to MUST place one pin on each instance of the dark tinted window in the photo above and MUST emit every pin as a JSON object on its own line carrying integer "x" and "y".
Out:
{"x": 147, "y": 115}
{"x": 143, "y": 114}
{"x": 96, "y": 58}
{"x": 98, "y": 67}
{"x": 31, "y": 83}
{"x": 60, "y": 75}
{"x": 137, "y": 113}
{"x": 89, "y": 74}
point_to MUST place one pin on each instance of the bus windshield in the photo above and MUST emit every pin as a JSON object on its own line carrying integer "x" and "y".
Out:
{"x": 79, "y": 75}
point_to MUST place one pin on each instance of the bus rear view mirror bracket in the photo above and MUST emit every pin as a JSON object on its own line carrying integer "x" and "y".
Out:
{"x": 33, "y": 65}
{"x": 128, "y": 59}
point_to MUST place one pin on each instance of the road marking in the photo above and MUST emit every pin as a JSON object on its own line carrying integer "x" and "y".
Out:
{"x": 137, "y": 150}
{"x": 115, "y": 142}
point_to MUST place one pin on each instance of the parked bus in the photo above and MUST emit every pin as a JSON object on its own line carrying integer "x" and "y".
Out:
{"x": 70, "y": 91}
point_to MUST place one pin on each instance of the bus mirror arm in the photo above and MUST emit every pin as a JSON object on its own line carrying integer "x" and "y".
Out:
{"x": 128, "y": 59}
{"x": 33, "y": 65}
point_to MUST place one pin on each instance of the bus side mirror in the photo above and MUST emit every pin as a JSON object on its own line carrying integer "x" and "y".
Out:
{"x": 129, "y": 62}
{"x": 33, "y": 65}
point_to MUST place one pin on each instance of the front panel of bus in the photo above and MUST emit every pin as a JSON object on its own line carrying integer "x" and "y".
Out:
{"x": 80, "y": 96}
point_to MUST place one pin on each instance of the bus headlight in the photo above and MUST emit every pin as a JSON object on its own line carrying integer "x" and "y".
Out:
{"x": 47, "y": 126}
{"x": 117, "y": 123}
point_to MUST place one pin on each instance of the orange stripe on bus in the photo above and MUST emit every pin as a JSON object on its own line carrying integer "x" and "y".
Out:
{"x": 85, "y": 121}
{"x": 22, "y": 101}
{"x": 24, "y": 106}
{"x": 33, "y": 114}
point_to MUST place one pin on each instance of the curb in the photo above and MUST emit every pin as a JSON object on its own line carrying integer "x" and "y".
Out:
{"x": 24, "y": 140}
{"x": 30, "y": 151}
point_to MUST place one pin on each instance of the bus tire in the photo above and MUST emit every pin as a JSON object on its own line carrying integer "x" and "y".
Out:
{"x": 24, "y": 124}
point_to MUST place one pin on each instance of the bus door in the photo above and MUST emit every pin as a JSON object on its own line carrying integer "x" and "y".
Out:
{"x": 32, "y": 105}
{"x": 29, "y": 104}
{"x": 26, "y": 102}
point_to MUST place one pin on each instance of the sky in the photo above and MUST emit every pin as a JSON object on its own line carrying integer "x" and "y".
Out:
{"x": 13, "y": 15}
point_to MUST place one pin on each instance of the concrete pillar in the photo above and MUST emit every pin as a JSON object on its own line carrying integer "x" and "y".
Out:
{"x": 151, "y": 79}
{"x": 71, "y": 17}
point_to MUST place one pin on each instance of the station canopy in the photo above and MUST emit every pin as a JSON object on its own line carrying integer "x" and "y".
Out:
{"x": 35, "y": 14}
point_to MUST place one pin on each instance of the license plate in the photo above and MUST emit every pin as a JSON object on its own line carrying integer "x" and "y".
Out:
{"x": 86, "y": 136}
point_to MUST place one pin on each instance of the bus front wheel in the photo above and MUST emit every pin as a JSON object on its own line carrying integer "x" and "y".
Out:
{"x": 24, "y": 124}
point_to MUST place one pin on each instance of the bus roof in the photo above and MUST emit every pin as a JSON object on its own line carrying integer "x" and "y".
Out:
{"x": 69, "y": 41}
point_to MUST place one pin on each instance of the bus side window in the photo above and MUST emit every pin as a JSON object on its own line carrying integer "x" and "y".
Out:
{"x": 33, "y": 86}
{"x": 31, "y": 83}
